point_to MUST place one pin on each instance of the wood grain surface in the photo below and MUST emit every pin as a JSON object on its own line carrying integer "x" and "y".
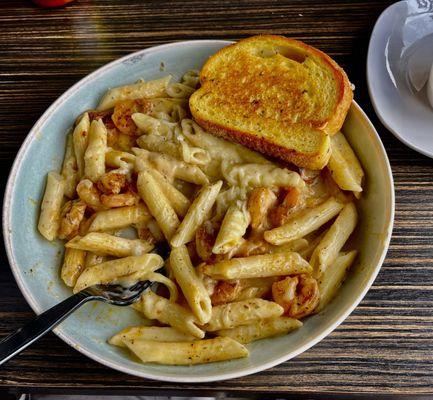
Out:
{"x": 384, "y": 349}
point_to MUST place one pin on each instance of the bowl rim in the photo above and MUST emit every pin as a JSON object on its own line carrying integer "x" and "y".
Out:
{"x": 7, "y": 226}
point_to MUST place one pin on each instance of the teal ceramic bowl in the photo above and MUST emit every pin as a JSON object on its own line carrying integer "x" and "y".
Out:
{"x": 35, "y": 262}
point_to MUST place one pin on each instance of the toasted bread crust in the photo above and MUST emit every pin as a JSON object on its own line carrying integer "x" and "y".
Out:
{"x": 310, "y": 161}
{"x": 327, "y": 123}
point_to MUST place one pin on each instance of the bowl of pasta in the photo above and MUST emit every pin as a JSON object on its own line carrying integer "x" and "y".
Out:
{"x": 266, "y": 258}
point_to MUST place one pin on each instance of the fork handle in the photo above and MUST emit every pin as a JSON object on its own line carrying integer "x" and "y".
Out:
{"x": 39, "y": 326}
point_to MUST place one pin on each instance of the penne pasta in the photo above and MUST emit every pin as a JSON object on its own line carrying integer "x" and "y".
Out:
{"x": 80, "y": 137}
{"x": 49, "y": 219}
{"x": 69, "y": 169}
{"x": 297, "y": 245}
{"x": 187, "y": 353}
{"x": 233, "y": 228}
{"x": 332, "y": 278}
{"x": 313, "y": 240}
{"x": 122, "y": 160}
{"x": 192, "y": 287}
{"x": 167, "y": 312}
{"x": 167, "y": 282}
{"x": 73, "y": 265}
{"x": 158, "y": 205}
{"x": 193, "y": 155}
{"x": 108, "y": 245}
{"x": 332, "y": 242}
{"x": 109, "y": 220}
{"x": 154, "y": 333}
{"x": 243, "y": 312}
{"x": 177, "y": 199}
{"x": 261, "y": 329}
{"x": 304, "y": 224}
{"x": 160, "y": 144}
{"x": 152, "y": 126}
{"x": 93, "y": 259}
{"x": 94, "y": 157}
{"x": 141, "y": 89}
{"x": 196, "y": 214}
{"x": 261, "y": 266}
{"x": 344, "y": 166}
{"x": 124, "y": 271}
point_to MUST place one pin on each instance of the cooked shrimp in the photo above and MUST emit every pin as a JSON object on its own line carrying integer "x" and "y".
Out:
{"x": 298, "y": 295}
{"x": 281, "y": 214}
{"x": 122, "y": 115}
{"x": 119, "y": 200}
{"x": 95, "y": 115}
{"x": 225, "y": 292}
{"x": 260, "y": 201}
{"x": 112, "y": 182}
{"x": 72, "y": 215}
{"x": 89, "y": 194}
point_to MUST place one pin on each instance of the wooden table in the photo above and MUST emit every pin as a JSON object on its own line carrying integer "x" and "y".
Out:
{"x": 384, "y": 349}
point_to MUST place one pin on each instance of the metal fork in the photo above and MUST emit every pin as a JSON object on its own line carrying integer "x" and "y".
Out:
{"x": 39, "y": 326}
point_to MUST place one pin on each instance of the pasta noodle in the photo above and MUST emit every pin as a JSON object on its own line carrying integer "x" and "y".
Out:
{"x": 80, "y": 138}
{"x": 154, "y": 333}
{"x": 157, "y": 203}
{"x": 192, "y": 288}
{"x": 242, "y": 312}
{"x": 141, "y": 89}
{"x": 69, "y": 169}
{"x": 170, "y": 313}
{"x": 181, "y": 353}
{"x": 262, "y": 329}
{"x": 121, "y": 270}
{"x": 196, "y": 214}
{"x": 49, "y": 220}
{"x": 108, "y": 245}
{"x": 94, "y": 157}
{"x": 261, "y": 266}
{"x": 308, "y": 222}
{"x": 233, "y": 228}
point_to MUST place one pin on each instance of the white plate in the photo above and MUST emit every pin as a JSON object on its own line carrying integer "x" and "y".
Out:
{"x": 408, "y": 117}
